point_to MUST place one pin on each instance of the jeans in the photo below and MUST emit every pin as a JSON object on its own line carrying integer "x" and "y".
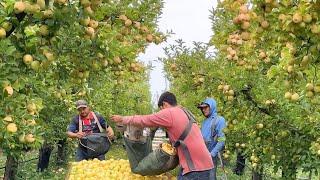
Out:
{"x": 82, "y": 155}
{"x": 196, "y": 175}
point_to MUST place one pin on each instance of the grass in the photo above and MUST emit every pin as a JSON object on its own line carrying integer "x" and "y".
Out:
{"x": 27, "y": 170}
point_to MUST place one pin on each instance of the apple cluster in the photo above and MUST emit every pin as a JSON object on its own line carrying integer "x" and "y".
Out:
{"x": 315, "y": 147}
{"x": 227, "y": 91}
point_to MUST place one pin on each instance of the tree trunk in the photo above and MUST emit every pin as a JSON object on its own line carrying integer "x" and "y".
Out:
{"x": 44, "y": 157}
{"x": 289, "y": 172}
{"x": 240, "y": 164}
{"x": 257, "y": 174}
{"x": 310, "y": 175}
{"x": 62, "y": 152}
{"x": 11, "y": 168}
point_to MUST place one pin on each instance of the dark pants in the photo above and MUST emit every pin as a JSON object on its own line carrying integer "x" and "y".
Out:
{"x": 215, "y": 163}
{"x": 196, "y": 175}
{"x": 240, "y": 164}
{"x": 82, "y": 155}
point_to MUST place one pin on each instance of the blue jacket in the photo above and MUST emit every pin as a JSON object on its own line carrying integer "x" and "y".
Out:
{"x": 214, "y": 145}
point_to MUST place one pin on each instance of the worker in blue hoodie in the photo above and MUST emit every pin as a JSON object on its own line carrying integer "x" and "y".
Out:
{"x": 212, "y": 129}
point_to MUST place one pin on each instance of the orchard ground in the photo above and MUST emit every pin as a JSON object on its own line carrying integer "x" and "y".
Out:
{"x": 28, "y": 169}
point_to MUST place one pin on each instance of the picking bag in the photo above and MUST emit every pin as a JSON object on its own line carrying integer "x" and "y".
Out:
{"x": 95, "y": 144}
{"x": 144, "y": 161}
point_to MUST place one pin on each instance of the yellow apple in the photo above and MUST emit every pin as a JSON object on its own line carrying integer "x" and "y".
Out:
{"x": 8, "y": 118}
{"x": 288, "y": 95}
{"x": 123, "y": 17}
{"x": 307, "y": 18}
{"x": 295, "y": 97}
{"x": 297, "y": 18}
{"x": 27, "y": 59}
{"x": 12, "y": 128}
{"x": 29, "y": 138}
{"x": 35, "y": 65}
{"x": 42, "y": 4}
{"x": 2, "y": 33}
{"x": 90, "y": 31}
{"x": 19, "y": 7}
{"x": 128, "y": 22}
{"x": 117, "y": 60}
{"x": 309, "y": 94}
{"x": 43, "y": 30}
{"x": 22, "y": 138}
{"x": 309, "y": 86}
{"x": 94, "y": 24}
{"x": 9, "y": 90}
{"x": 259, "y": 126}
{"x": 149, "y": 38}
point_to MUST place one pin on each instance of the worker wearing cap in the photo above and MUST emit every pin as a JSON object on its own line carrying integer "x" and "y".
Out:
{"x": 212, "y": 129}
{"x": 89, "y": 125}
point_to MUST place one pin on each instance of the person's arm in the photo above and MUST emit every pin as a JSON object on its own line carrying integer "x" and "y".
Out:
{"x": 110, "y": 132}
{"x": 163, "y": 119}
{"x": 71, "y": 132}
{"x": 78, "y": 135}
{"x": 221, "y": 137}
{"x": 103, "y": 123}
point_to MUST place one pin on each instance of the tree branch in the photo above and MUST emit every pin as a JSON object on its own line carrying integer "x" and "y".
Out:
{"x": 20, "y": 17}
{"x": 246, "y": 91}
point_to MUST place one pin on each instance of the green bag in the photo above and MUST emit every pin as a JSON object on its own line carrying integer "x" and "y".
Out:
{"x": 95, "y": 144}
{"x": 144, "y": 161}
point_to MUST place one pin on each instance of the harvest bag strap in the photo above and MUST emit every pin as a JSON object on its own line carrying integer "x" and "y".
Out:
{"x": 180, "y": 141}
{"x": 95, "y": 119}
{"x": 214, "y": 134}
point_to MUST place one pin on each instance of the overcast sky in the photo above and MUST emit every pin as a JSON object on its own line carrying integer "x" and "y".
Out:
{"x": 189, "y": 20}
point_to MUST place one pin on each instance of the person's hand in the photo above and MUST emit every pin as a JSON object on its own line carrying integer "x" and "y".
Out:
{"x": 80, "y": 134}
{"x": 110, "y": 133}
{"x": 117, "y": 118}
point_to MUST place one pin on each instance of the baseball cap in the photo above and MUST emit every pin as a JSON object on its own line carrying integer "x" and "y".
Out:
{"x": 202, "y": 105}
{"x": 81, "y": 103}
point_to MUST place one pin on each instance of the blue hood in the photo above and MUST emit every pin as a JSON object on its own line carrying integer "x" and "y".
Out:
{"x": 213, "y": 107}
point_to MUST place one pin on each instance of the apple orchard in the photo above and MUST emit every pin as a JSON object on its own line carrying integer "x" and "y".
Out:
{"x": 55, "y": 52}
{"x": 263, "y": 73}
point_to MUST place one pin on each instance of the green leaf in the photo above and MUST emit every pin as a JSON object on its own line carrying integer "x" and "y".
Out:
{"x": 272, "y": 72}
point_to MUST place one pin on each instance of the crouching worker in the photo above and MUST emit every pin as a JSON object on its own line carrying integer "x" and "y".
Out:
{"x": 184, "y": 134}
{"x": 92, "y": 131}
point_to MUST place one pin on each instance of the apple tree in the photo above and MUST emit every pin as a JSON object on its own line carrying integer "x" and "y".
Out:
{"x": 54, "y": 52}
{"x": 264, "y": 76}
